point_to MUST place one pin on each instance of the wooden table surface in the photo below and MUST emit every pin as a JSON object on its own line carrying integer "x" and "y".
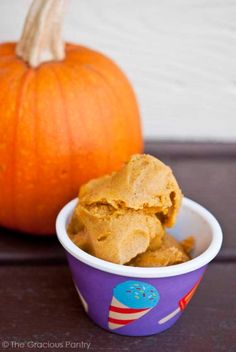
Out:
{"x": 38, "y": 301}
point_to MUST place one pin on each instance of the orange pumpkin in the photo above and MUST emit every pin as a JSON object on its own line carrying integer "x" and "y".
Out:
{"x": 68, "y": 114}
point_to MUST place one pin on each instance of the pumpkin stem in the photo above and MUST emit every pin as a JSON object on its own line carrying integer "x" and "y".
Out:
{"x": 41, "y": 39}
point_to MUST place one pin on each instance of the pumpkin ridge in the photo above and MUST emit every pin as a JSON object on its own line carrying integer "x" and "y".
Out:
{"x": 73, "y": 68}
{"x": 69, "y": 136}
{"x": 112, "y": 93}
{"x": 4, "y": 93}
{"x": 107, "y": 89}
{"x": 106, "y": 130}
{"x": 7, "y": 64}
{"x": 10, "y": 80}
{"x": 84, "y": 66}
{"x": 36, "y": 128}
{"x": 8, "y": 58}
{"x": 24, "y": 81}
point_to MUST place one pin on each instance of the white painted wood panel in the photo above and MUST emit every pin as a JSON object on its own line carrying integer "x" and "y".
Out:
{"x": 179, "y": 54}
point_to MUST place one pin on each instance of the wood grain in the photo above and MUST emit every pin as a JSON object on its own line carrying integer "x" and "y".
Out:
{"x": 41, "y": 304}
{"x": 179, "y": 55}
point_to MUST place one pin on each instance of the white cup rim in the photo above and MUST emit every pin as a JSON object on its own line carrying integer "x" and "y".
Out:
{"x": 141, "y": 272}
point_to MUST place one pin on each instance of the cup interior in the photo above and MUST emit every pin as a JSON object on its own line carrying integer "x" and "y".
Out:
{"x": 191, "y": 223}
{"x": 193, "y": 219}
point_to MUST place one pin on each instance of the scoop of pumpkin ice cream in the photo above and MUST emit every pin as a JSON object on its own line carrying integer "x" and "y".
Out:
{"x": 169, "y": 253}
{"x": 144, "y": 183}
{"x": 115, "y": 235}
{"x": 78, "y": 233}
{"x": 124, "y": 214}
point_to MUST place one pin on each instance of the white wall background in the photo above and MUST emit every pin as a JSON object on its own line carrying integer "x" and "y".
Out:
{"x": 179, "y": 54}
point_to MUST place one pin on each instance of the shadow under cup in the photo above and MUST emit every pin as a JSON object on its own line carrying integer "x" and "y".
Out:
{"x": 139, "y": 301}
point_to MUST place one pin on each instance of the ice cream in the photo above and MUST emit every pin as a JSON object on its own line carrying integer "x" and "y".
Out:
{"x": 169, "y": 253}
{"x": 77, "y": 232}
{"x": 122, "y": 217}
{"x": 144, "y": 183}
{"x": 131, "y": 300}
{"x": 117, "y": 235}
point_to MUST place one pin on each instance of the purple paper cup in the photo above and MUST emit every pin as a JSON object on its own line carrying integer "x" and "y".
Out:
{"x": 139, "y": 301}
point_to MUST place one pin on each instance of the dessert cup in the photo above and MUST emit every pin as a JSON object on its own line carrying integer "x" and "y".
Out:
{"x": 137, "y": 301}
